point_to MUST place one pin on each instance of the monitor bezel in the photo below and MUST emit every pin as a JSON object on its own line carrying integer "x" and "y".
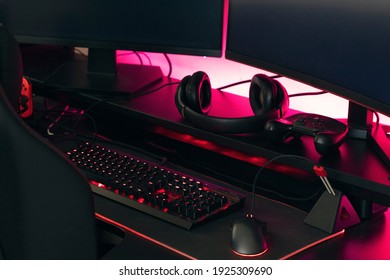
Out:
{"x": 116, "y": 45}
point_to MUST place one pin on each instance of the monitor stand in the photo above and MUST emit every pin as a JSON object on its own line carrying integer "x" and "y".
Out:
{"x": 361, "y": 126}
{"x": 99, "y": 72}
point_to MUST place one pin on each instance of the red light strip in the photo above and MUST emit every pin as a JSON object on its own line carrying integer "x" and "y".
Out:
{"x": 313, "y": 244}
{"x": 112, "y": 222}
{"x": 252, "y": 159}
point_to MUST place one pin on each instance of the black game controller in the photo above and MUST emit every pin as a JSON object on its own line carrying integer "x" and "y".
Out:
{"x": 328, "y": 133}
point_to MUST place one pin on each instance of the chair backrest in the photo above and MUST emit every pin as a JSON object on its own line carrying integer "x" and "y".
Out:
{"x": 11, "y": 68}
{"x": 46, "y": 205}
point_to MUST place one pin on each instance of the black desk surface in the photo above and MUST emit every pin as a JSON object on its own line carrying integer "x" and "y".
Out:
{"x": 286, "y": 232}
{"x": 357, "y": 170}
{"x": 367, "y": 241}
{"x": 288, "y": 236}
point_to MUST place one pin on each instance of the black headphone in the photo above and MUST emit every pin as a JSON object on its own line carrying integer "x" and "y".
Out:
{"x": 268, "y": 100}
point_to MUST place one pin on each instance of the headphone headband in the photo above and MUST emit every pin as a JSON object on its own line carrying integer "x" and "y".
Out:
{"x": 268, "y": 100}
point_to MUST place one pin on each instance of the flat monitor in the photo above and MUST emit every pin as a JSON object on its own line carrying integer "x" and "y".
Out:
{"x": 173, "y": 26}
{"x": 341, "y": 46}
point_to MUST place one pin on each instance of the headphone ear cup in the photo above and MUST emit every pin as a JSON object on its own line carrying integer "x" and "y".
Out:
{"x": 283, "y": 101}
{"x": 198, "y": 92}
{"x": 180, "y": 96}
{"x": 267, "y": 97}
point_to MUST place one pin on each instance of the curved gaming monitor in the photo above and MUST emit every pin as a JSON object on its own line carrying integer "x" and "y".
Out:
{"x": 341, "y": 46}
{"x": 174, "y": 26}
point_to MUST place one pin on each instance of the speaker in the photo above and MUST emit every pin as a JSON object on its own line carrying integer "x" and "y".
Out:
{"x": 268, "y": 100}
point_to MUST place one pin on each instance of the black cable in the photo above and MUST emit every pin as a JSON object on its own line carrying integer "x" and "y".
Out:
{"x": 244, "y": 82}
{"x": 238, "y": 181}
{"x": 261, "y": 170}
{"x": 234, "y": 84}
{"x": 147, "y": 57}
{"x": 273, "y": 77}
{"x": 307, "y": 93}
{"x": 79, "y": 117}
{"x": 139, "y": 57}
{"x": 301, "y": 199}
{"x": 66, "y": 117}
{"x": 169, "y": 64}
{"x": 133, "y": 53}
{"x": 376, "y": 116}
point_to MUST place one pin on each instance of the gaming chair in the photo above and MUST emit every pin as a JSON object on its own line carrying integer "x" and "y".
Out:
{"x": 46, "y": 206}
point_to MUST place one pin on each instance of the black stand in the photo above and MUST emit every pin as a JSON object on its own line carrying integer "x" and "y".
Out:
{"x": 361, "y": 126}
{"x": 332, "y": 213}
{"x": 100, "y": 73}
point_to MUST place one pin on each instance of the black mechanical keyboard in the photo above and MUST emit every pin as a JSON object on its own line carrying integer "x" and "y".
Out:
{"x": 162, "y": 192}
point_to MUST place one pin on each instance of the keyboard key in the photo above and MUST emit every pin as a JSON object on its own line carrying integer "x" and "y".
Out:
{"x": 167, "y": 194}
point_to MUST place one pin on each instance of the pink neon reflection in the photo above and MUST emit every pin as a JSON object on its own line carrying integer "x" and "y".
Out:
{"x": 371, "y": 243}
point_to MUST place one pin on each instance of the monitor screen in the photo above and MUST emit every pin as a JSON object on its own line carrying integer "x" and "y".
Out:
{"x": 341, "y": 46}
{"x": 174, "y": 26}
